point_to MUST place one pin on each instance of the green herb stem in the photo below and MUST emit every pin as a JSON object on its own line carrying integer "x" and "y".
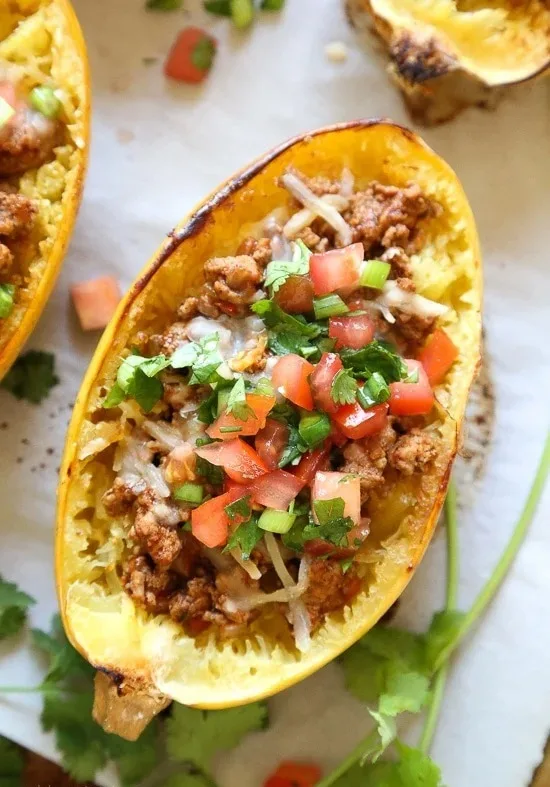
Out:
{"x": 490, "y": 588}
{"x": 451, "y": 594}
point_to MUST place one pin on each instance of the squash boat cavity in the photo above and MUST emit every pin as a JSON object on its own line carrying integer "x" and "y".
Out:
{"x": 446, "y": 55}
{"x": 41, "y": 46}
{"x": 150, "y": 656}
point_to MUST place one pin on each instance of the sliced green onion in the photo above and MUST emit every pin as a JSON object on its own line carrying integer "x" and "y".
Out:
{"x": 242, "y": 13}
{"x": 329, "y": 306}
{"x": 43, "y": 99}
{"x": 7, "y": 291}
{"x": 378, "y": 387}
{"x": 365, "y": 398}
{"x": 189, "y": 493}
{"x": 374, "y": 274}
{"x": 229, "y": 429}
{"x": 223, "y": 398}
{"x": 276, "y": 521}
{"x": 6, "y": 112}
{"x": 412, "y": 377}
{"x": 314, "y": 428}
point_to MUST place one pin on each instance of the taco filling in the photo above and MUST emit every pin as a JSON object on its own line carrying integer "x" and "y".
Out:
{"x": 282, "y": 402}
{"x": 30, "y": 130}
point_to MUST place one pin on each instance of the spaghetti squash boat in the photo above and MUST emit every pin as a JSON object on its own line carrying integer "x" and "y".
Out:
{"x": 44, "y": 110}
{"x": 446, "y": 55}
{"x": 261, "y": 447}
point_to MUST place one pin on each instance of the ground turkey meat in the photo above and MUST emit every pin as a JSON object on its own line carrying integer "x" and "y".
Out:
{"x": 17, "y": 217}
{"x": 369, "y": 458}
{"x": 148, "y": 586}
{"x": 319, "y": 185}
{"x": 329, "y": 589}
{"x": 385, "y": 216}
{"x": 118, "y": 499}
{"x": 27, "y": 141}
{"x": 155, "y": 528}
{"x": 413, "y": 328}
{"x": 259, "y": 250}
{"x": 413, "y": 451}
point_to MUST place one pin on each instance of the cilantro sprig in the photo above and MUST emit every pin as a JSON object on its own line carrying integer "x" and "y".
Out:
{"x": 278, "y": 271}
{"x": 344, "y": 387}
{"x": 375, "y": 357}
{"x": 32, "y": 376}
{"x": 14, "y": 605}
{"x": 289, "y": 333}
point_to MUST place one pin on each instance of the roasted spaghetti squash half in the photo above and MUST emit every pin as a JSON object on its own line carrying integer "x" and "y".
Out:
{"x": 446, "y": 55}
{"x": 261, "y": 447}
{"x": 44, "y": 117}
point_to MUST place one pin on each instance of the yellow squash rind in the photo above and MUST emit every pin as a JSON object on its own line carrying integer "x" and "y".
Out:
{"x": 153, "y": 653}
{"x": 446, "y": 55}
{"x": 44, "y": 40}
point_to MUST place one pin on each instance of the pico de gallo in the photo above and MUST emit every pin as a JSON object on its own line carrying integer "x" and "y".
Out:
{"x": 299, "y": 380}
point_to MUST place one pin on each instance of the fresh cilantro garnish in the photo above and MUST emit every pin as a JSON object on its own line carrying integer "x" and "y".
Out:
{"x": 264, "y": 387}
{"x": 294, "y": 448}
{"x": 236, "y": 402}
{"x": 274, "y": 317}
{"x": 332, "y": 525}
{"x": 278, "y": 271}
{"x": 239, "y": 511}
{"x": 195, "y": 736}
{"x": 11, "y": 764}
{"x": 7, "y": 291}
{"x": 164, "y": 5}
{"x": 32, "y": 376}
{"x": 344, "y": 387}
{"x": 136, "y": 379}
{"x": 208, "y": 471}
{"x": 202, "y": 357}
{"x": 245, "y": 537}
{"x": 272, "y": 5}
{"x": 207, "y": 411}
{"x": 375, "y": 357}
{"x": 374, "y": 391}
{"x": 218, "y": 7}
{"x": 14, "y": 605}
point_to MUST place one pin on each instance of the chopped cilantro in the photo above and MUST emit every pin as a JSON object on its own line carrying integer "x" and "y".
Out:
{"x": 164, "y": 5}
{"x": 32, "y": 376}
{"x": 274, "y": 317}
{"x": 207, "y": 411}
{"x": 14, "y": 605}
{"x": 202, "y": 357}
{"x": 346, "y": 565}
{"x": 264, "y": 387}
{"x": 236, "y": 402}
{"x": 278, "y": 271}
{"x": 218, "y": 7}
{"x": 294, "y": 448}
{"x": 11, "y": 764}
{"x": 239, "y": 511}
{"x": 7, "y": 291}
{"x": 245, "y": 537}
{"x": 344, "y": 388}
{"x": 375, "y": 357}
{"x": 272, "y": 5}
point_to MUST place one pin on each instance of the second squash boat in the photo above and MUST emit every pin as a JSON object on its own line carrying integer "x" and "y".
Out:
{"x": 262, "y": 444}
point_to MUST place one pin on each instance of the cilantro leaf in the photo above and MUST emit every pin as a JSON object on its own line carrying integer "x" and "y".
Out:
{"x": 404, "y": 691}
{"x": 278, "y": 271}
{"x": 164, "y": 5}
{"x": 218, "y": 7}
{"x": 236, "y": 402}
{"x": 416, "y": 769}
{"x": 136, "y": 378}
{"x": 295, "y": 446}
{"x": 208, "y": 471}
{"x": 344, "y": 388}
{"x": 13, "y": 608}
{"x": 239, "y": 511}
{"x": 375, "y": 357}
{"x": 65, "y": 663}
{"x": 363, "y": 674}
{"x": 274, "y": 317}
{"x": 207, "y": 411}
{"x": 32, "y": 376}
{"x": 195, "y": 736}
{"x": 441, "y": 633}
{"x": 386, "y": 732}
{"x": 134, "y": 760}
{"x": 285, "y": 342}
{"x": 245, "y": 537}
{"x": 329, "y": 509}
{"x": 11, "y": 764}
{"x": 202, "y": 357}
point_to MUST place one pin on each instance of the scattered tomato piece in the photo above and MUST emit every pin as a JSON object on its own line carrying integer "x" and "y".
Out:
{"x": 311, "y": 462}
{"x": 277, "y": 489}
{"x": 336, "y": 269}
{"x": 412, "y": 398}
{"x": 271, "y": 442}
{"x": 95, "y": 301}
{"x": 329, "y": 485}
{"x": 191, "y": 56}
{"x": 290, "y": 377}
{"x": 438, "y": 356}
{"x": 210, "y": 523}
{"x": 295, "y": 296}
{"x": 354, "y": 330}
{"x": 239, "y": 460}
{"x": 355, "y": 423}
{"x": 294, "y": 774}
{"x": 321, "y": 381}
{"x": 260, "y": 407}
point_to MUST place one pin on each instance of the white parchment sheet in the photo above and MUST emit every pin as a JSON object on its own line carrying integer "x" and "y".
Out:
{"x": 160, "y": 147}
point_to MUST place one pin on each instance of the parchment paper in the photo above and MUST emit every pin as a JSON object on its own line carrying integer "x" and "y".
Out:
{"x": 157, "y": 149}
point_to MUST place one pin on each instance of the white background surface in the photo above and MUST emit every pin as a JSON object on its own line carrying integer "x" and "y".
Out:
{"x": 157, "y": 149}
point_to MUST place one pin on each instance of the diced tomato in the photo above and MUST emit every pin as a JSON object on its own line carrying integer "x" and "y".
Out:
{"x": 295, "y": 296}
{"x": 95, "y": 301}
{"x": 191, "y": 56}
{"x": 438, "y": 356}
{"x": 321, "y": 381}
{"x": 328, "y": 485}
{"x": 239, "y": 460}
{"x": 234, "y": 487}
{"x": 277, "y": 489}
{"x": 260, "y": 406}
{"x": 271, "y": 442}
{"x": 9, "y": 94}
{"x": 290, "y": 377}
{"x": 210, "y": 523}
{"x": 355, "y": 331}
{"x": 294, "y": 774}
{"x": 355, "y": 423}
{"x": 336, "y": 436}
{"x": 336, "y": 269}
{"x": 311, "y": 462}
{"x": 195, "y": 626}
{"x": 412, "y": 398}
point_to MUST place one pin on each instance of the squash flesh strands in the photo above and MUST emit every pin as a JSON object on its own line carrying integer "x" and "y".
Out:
{"x": 144, "y": 660}
{"x": 41, "y": 43}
